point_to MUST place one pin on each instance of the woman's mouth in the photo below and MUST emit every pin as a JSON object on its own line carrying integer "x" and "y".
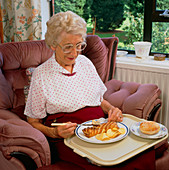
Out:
{"x": 70, "y": 58}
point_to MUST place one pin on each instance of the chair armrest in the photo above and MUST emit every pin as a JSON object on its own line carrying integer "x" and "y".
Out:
{"x": 133, "y": 98}
{"x": 17, "y": 135}
{"x": 152, "y": 114}
{"x": 7, "y": 114}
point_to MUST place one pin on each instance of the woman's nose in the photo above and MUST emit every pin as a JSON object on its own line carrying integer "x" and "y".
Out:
{"x": 74, "y": 52}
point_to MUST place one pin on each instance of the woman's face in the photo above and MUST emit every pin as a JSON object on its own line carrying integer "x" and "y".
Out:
{"x": 67, "y": 59}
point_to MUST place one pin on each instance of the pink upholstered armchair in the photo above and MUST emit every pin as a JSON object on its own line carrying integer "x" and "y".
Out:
{"x": 21, "y": 145}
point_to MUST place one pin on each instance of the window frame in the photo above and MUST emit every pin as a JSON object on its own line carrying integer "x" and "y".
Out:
{"x": 151, "y": 15}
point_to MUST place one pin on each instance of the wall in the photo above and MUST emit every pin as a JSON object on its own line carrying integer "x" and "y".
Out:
{"x": 45, "y": 11}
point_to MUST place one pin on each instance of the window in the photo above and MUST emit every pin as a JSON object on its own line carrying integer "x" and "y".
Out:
{"x": 156, "y": 27}
{"x": 142, "y": 24}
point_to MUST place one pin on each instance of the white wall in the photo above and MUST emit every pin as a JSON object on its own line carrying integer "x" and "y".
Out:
{"x": 45, "y": 11}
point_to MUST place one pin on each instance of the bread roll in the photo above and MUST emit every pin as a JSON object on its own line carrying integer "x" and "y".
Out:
{"x": 149, "y": 127}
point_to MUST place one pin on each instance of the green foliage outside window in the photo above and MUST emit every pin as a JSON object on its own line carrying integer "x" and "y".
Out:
{"x": 126, "y": 15}
{"x": 160, "y": 32}
{"x": 133, "y": 26}
{"x": 109, "y": 14}
{"x": 134, "y": 30}
{"x": 71, "y": 5}
{"x": 162, "y": 5}
{"x": 135, "y": 7}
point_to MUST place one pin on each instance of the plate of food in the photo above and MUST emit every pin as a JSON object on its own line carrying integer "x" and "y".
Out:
{"x": 102, "y": 133}
{"x": 149, "y": 129}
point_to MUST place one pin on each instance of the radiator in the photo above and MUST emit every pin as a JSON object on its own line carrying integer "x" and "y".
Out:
{"x": 156, "y": 72}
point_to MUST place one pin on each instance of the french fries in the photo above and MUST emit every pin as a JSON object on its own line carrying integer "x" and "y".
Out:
{"x": 111, "y": 133}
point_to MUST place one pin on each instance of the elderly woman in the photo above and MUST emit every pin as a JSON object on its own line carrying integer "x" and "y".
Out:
{"x": 66, "y": 87}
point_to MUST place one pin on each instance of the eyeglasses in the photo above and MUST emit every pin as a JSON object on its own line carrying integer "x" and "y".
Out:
{"x": 68, "y": 48}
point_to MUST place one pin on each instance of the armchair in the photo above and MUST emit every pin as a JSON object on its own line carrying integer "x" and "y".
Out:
{"x": 24, "y": 147}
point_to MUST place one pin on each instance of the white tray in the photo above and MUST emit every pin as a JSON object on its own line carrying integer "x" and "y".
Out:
{"x": 113, "y": 153}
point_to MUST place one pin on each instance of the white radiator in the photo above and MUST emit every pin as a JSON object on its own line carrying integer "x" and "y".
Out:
{"x": 157, "y": 72}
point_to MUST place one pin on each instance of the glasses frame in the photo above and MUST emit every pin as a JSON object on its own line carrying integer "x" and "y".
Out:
{"x": 83, "y": 44}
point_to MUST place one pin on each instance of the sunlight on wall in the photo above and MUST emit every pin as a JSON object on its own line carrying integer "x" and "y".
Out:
{"x": 45, "y": 10}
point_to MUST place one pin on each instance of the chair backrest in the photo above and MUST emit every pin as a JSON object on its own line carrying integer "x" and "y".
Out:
{"x": 16, "y": 57}
{"x": 102, "y": 52}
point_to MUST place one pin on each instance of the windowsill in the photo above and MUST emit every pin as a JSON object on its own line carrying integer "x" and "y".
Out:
{"x": 149, "y": 64}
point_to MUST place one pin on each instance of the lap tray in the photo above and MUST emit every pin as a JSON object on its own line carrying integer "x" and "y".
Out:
{"x": 113, "y": 153}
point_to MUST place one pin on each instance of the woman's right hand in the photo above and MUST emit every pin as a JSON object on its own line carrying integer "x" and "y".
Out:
{"x": 65, "y": 131}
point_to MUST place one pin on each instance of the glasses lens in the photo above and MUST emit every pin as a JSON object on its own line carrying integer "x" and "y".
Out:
{"x": 67, "y": 48}
{"x": 79, "y": 47}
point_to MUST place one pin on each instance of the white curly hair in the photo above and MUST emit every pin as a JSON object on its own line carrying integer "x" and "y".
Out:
{"x": 68, "y": 22}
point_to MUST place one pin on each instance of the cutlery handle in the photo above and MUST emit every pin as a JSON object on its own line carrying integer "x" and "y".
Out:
{"x": 58, "y": 124}
{"x": 61, "y": 124}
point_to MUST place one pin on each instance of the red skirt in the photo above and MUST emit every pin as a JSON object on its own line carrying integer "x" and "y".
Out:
{"x": 145, "y": 160}
{"x": 79, "y": 116}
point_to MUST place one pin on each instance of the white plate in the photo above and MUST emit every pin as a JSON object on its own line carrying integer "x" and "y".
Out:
{"x": 79, "y": 133}
{"x": 135, "y": 129}
{"x": 121, "y": 53}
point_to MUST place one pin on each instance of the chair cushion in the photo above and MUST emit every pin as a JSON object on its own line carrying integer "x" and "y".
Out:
{"x": 132, "y": 98}
{"x": 14, "y": 59}
{"x": 19, "y": 103}
{"x": 29, "y": 72}
{"x": 19, "y": 111}
{"x": 6, "y": 93}
{"x": 98, "y": 52}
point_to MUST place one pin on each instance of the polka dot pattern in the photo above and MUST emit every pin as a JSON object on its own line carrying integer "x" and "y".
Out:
{"x": 51, "y": 91}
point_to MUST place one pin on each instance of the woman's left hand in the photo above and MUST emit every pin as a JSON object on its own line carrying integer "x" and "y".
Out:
{"x": 115, "y": 114}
